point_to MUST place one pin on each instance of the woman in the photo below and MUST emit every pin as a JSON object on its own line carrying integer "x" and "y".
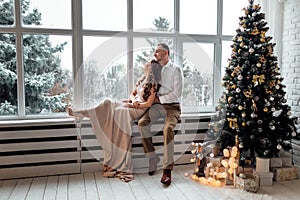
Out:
{"x": 111, "y": 122}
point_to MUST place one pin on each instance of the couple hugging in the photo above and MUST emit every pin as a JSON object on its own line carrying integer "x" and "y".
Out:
{"x": 157, "y": 94}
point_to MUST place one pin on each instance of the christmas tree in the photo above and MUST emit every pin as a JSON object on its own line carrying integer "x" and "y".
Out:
{"x": 252, "y": 111}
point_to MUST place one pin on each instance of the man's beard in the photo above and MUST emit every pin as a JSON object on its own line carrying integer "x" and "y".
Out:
{"x": 158, "y": 59}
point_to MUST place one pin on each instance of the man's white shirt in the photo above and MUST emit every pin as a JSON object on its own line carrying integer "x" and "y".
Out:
{"x": 171, "y": 84}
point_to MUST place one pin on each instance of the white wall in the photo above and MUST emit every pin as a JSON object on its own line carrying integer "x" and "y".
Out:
{"x": 291, "y": 62}
{"x": 291, "y": 53}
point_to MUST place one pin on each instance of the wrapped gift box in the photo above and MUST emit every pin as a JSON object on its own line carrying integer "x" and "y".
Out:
{"x": 249, "y": 183}
{"x": 286, "y": 161}
{"x": 276, "y": 162}
{"x": 281, "y": 162}
{"x": 286, "y": 158}
{"x": 245, "y": 170}
{"x": 285, "y": 173}
{"x": 265, "y": 178}
{"x": 262, "y": 164}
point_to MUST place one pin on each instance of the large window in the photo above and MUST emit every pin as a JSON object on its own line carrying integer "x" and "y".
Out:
{"x": 56, "y": 52}
{"x": 8, "y": 75}
{"x": 46, "y": 14}
{"x": 198, "y": 17}
{"x": 198, "y": 69}
{"x": 104, "y": 69}
{"x": 104, "y": 15}
{"x": 232, "y": 10}
{"x": 47, "y": 73}
{"x": 155, "y": 15}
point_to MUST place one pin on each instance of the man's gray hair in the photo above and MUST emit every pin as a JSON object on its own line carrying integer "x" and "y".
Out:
{"x": 164, "y": 46}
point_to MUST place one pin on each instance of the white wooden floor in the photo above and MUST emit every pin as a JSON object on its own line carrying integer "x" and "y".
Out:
{"x": 92, "y": 186}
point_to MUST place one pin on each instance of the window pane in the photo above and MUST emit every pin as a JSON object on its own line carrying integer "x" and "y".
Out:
{"x": 144, "y": 50}
{"x": 231, "y": 13}
{"x": 198, "y": 76}
{"x": 198, "y": 17}
{"x": 105, "y": 15}
{"x": 104, "y": 69}
{"x": 47, "y": 73}
{"x": 226, "y": 54}
{"x": 7, "y": 11}
{"x": 155, "y": 15}
{"x": 8, "y": 75}
{"x": 47, "y": 13}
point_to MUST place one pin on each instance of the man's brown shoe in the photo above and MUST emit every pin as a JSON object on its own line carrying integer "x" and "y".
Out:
{"x": 166, "y": 177}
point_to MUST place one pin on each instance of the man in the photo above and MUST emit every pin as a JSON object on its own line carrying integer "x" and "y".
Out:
{"x": 167, "y": 106}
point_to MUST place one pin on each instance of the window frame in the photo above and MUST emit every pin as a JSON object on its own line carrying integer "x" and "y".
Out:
{"x": 77, "y": 33}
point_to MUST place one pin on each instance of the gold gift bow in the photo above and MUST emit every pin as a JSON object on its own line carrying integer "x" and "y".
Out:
{"x": 232, "y": 122}
{"x": 258, "y": 78}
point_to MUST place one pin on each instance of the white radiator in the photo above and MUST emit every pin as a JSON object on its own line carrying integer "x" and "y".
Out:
{"x": 35, "y": 149}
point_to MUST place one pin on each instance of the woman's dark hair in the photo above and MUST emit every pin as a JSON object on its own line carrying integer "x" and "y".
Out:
{"x": 152, "y": 80}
